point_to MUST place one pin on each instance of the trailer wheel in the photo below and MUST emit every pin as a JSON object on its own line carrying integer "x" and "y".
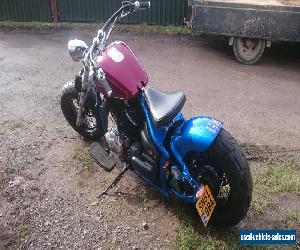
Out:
{"x": 247, "y": 50}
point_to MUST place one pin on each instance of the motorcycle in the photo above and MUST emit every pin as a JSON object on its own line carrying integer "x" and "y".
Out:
{"x": 196, "y": 160}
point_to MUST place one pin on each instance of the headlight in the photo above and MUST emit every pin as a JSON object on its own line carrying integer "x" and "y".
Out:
{"x": 77, "y": 49}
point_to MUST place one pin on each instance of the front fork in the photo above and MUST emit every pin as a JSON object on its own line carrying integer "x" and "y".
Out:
{"x": 87, "y": 80}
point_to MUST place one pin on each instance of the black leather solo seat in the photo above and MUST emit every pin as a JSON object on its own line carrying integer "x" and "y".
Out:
{"x": 163, "y": 106}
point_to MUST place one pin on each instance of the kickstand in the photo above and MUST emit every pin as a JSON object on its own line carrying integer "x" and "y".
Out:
{"x": 116, "y": 180}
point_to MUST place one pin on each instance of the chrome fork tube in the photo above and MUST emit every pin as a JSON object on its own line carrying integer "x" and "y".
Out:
{"x": 86, "y": 78}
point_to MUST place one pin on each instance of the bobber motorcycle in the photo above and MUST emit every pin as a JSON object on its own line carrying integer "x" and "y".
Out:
{"x": 196, "y": 160}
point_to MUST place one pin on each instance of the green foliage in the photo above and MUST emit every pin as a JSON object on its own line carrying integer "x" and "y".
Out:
{"x": 139, "y": 28}
{"x": 191, "y": 233}
{"x": 275, "y": 175}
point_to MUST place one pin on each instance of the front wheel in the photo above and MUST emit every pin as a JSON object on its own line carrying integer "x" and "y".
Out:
{"x": 90, "y": 127}
{"x": 225, "y": 169}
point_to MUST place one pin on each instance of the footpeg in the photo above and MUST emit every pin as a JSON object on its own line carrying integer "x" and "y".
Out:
{"x": 101, "y": 157}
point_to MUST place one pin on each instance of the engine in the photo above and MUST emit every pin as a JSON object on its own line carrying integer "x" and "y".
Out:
{"x": 128, "y": 119}
{"x": 129, "y": 139}
{"x": 145, "y": 157}
{"x": 113, "y": 140}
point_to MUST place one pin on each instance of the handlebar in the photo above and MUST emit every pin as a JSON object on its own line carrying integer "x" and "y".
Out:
{"x": 127, "y": 7}
{"x": 130, "y": 7}
{"x": 143, "y": 5}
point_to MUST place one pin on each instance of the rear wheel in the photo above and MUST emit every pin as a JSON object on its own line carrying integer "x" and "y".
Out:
{"x": 70, "y": 104}
{"x": 225, "y": 169}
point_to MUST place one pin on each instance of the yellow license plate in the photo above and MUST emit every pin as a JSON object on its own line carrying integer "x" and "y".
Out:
{"x": 205, "y": 204}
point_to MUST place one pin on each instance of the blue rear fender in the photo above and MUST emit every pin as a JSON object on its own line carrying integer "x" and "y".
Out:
{"x": 196, "y": 134}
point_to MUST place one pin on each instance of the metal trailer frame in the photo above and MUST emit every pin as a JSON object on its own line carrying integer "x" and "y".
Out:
{"x": 260, "y": 24}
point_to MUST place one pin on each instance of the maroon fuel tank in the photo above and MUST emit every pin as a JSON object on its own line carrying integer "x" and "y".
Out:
{"x": 123, "y": 70}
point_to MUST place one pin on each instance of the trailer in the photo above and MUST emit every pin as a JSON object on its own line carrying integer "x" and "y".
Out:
{"x": 250, "y": 25}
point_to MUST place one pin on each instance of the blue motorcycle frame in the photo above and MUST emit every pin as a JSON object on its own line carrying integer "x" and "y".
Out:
{"x": 194, "y": 135}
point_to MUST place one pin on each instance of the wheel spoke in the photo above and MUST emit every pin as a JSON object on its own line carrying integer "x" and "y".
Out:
{"x": 89, "y": 121}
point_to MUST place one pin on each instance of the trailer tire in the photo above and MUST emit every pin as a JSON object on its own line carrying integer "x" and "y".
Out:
{"x": 248, "y": 51}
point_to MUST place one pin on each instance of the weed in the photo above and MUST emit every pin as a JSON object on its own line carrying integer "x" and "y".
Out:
{"x": 139, "y": 28}
{"x": 82, "y": 155}
{"x": 276, "y": 175}
{"x": 294, "y": 216}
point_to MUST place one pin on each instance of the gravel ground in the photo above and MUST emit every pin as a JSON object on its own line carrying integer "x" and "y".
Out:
{"x": 49, "y": 197}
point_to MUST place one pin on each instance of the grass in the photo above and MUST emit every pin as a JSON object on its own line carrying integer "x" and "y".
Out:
{"x": 149, "y": 196}
{"x": 139, "y": 28}
{"x": 191, "y": 234}
{"x": 294, "y": 216}
{"x": 8, "y": 168}
{"x": 32, "y": 25}
{"x": 23, "y": 231}
{"x": 187, "y": 238}
{"x": 12, "y": 124}
{"x": 276, "y": 175}
{"x": 282, "y": 177}
{"x": 15, "y": 125}
{"x": 82, "y": 155}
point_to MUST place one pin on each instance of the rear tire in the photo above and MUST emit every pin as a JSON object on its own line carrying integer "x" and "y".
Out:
{"x": 226, "y": 154}
{"x": 68, "y": 96}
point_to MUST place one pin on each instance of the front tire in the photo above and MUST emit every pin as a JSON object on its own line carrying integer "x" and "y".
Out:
{"x": 90, "y": 128}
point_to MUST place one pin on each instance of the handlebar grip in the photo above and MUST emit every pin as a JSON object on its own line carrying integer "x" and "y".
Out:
{"x": 143, "y": 5}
